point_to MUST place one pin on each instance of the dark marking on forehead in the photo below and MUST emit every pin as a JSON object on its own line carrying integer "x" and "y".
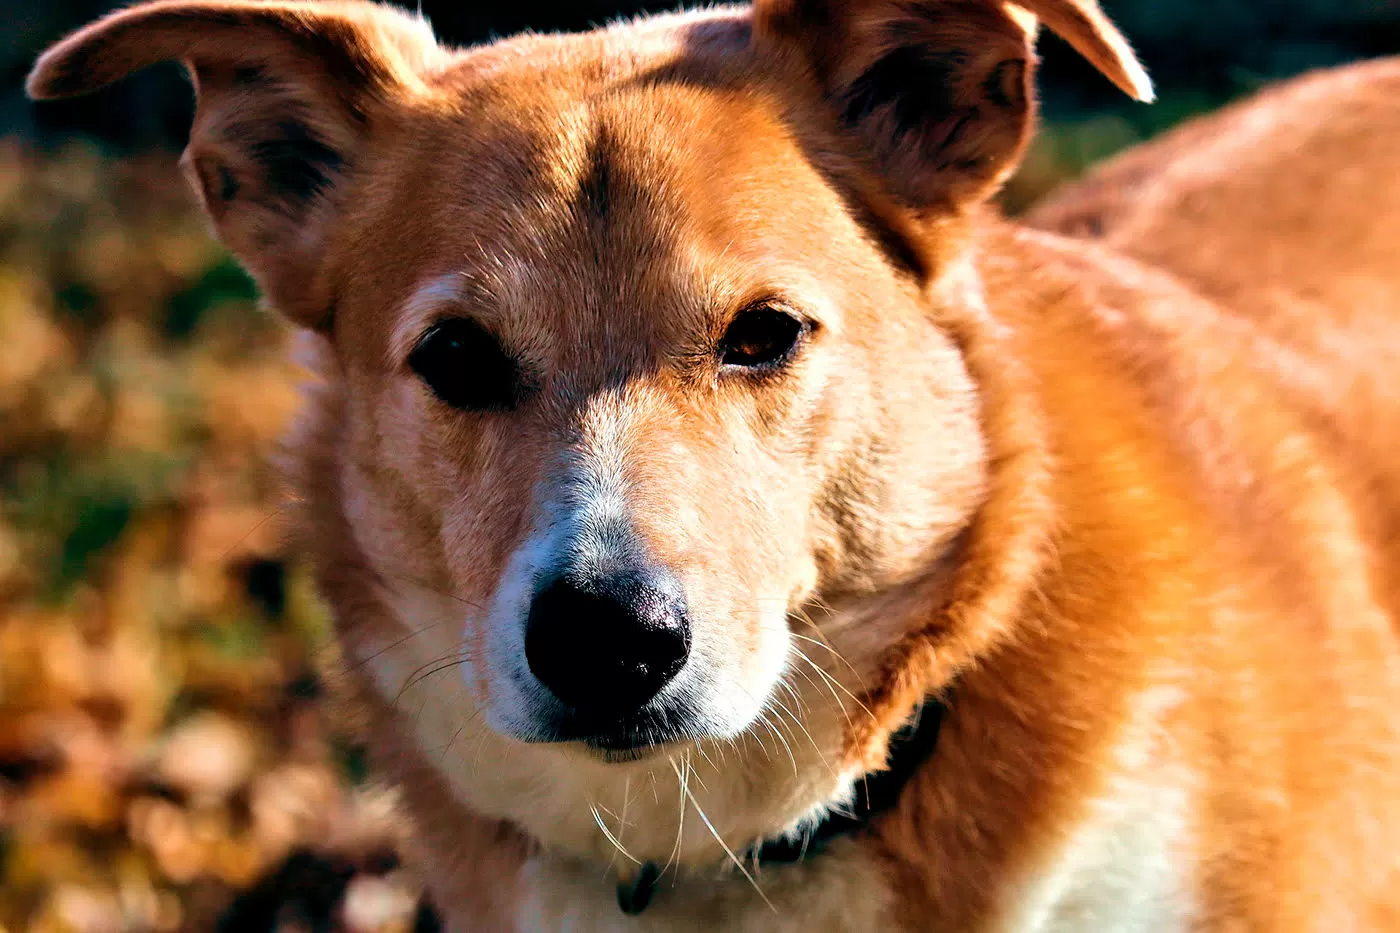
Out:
{"x": 607, "y": 188}
{"x": 598, "y": 185}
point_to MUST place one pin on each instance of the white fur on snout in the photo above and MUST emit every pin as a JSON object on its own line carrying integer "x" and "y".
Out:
{"x": 580, "y": 513}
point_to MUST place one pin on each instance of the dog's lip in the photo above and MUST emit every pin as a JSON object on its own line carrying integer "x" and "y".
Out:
{"x": 643, "y": 735}
{"x": 610, "y": 749}
{"x": 627, "y": 742}
{"x": 621, "y": 756}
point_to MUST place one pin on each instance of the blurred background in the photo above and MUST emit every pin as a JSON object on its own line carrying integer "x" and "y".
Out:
{"x": 164, "y": 762}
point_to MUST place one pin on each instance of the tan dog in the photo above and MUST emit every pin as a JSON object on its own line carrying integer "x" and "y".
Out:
{"x": 688, "y": 426}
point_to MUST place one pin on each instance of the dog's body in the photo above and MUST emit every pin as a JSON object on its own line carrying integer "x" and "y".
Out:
{"x": 740, "y": 334}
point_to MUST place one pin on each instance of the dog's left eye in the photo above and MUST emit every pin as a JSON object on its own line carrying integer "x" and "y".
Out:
{"x": 761, "y": 337}
{"x": 466, "y": 366}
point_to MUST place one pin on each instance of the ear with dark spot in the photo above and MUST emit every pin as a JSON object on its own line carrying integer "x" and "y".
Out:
{"x": 939, "y": 91}
{"x": 288, "y": 94}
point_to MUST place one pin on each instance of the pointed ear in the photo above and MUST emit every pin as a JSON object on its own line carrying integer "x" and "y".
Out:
{"x": 287, "y": 94}
{"x": 940, "y": 92}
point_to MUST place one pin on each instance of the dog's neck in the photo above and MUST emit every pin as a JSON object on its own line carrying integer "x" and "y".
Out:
{"x": 876, "y": 793}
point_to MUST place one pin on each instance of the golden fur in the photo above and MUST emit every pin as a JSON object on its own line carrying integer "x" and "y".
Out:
{"x": 1129, "y": 507}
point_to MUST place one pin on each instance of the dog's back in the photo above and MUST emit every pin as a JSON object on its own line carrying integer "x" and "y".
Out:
{"x": 1281, "y": 206}
{"x": 1285, "y": 210}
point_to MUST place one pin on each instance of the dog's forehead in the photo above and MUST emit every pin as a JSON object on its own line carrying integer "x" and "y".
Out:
{"x": 571, "y": 195}
{"x": 594, "y": 140}
{"x": 566, "y": 129}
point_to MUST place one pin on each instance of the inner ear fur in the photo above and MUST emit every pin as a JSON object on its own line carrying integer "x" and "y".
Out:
{"x": 940, "y": 92}
{"x": 286, "y": 96}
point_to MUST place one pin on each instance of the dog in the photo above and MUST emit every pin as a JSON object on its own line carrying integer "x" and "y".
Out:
{"x": 730, "y": 522}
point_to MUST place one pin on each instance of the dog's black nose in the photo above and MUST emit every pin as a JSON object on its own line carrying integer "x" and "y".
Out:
{"x": 606, "y": 646}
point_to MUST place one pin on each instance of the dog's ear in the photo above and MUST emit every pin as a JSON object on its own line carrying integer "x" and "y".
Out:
{"x": 287, "y": 93}
{"x": 940, "y": 91}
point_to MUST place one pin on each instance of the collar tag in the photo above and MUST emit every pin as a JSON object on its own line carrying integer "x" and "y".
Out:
{"x": 635, "y": 888}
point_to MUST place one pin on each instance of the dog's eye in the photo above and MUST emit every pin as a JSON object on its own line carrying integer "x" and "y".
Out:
{"x": 760, "y": 337}
{"x": 466, "y": 366}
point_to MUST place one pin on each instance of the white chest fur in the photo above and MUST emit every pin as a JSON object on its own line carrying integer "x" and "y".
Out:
{"x": 1122, "y": 867}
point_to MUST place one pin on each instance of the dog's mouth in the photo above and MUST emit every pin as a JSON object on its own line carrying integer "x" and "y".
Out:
{"x": 633, "y": 737}
{"x": 622, "y": 756}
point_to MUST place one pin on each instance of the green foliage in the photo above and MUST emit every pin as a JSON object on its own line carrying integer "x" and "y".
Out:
{"x": 223, "y": 284}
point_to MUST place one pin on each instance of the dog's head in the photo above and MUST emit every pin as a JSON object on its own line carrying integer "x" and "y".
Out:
{"x": 647, "y": 397}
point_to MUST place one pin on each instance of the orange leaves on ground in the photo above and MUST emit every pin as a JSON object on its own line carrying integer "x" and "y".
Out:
{"x": 161, "y": 744}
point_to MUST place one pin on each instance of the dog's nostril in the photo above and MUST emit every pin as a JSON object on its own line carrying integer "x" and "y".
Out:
{"x": 605, "y": 647}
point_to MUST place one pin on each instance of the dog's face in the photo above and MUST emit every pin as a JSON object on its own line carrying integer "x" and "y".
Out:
{"x": 640, "y": 356}
{"x": 637, "y": 402}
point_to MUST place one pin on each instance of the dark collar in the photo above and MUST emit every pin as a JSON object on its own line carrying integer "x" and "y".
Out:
{"x": 910, "y": 747}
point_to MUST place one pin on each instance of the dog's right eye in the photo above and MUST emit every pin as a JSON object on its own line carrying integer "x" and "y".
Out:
{"x": 761, "y": 338}
{"x": 466, "y": 366}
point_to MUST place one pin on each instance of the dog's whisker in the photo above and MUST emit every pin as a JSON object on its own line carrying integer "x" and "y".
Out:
{"x": 762, "y": 720}
{"x": 385, "y": 575}
{"x": 616, "y": 843}
{"x": 826, "y": 681}
{"x": 705, "y": 755}
{"x": 786, "y": 685}
{"x": 723, "y": 845}
{"x": 254, "y": 530}
{"x": 481, "y": 741}
{"x": 777, "y": 734}
{"x": 805, "y": 676}
{"x": 471, "y": 719}
{"x": 865, "y": 779}
{"x": 626, "y": 802}
{"x": 798, "y": 724}
{"x": 694, "y": 773}
{"x": 684, "y": 780}
{"x": 396, "y": 643}
{"x": 829, "y": 680}
{"x": 767, "y": 752}
{"x": 736, "y": 747}
{"x": 437, "y": 665}
{"x": 838, "y": 685}
{"x": 825, "y": 643}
